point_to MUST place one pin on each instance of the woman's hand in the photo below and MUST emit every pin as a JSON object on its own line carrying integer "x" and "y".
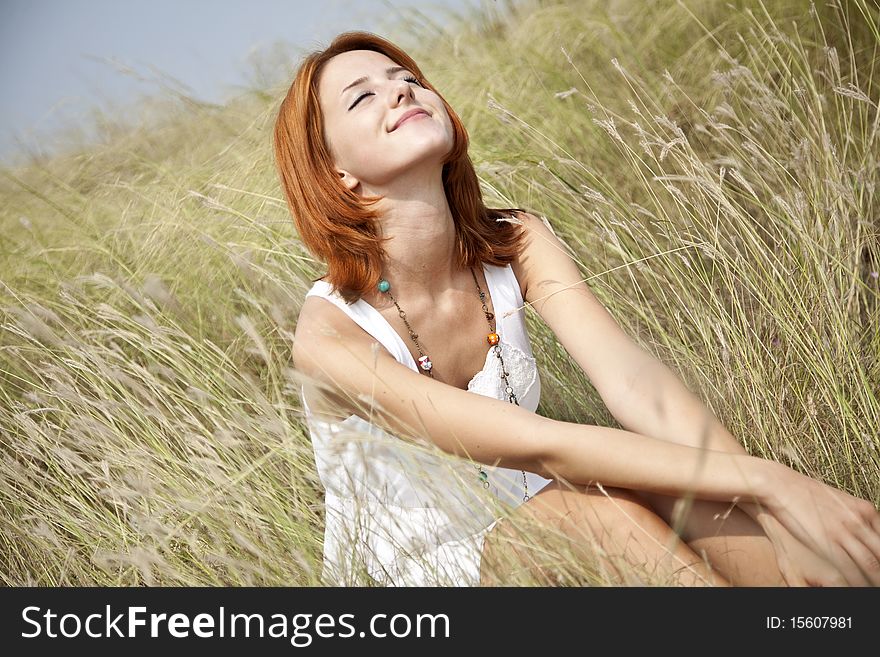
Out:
{"x": 799, "y": 565}
{"x": 841, "y": 530}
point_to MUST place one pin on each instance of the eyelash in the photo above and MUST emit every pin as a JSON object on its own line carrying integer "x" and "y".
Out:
{"x": 408, "y": 78}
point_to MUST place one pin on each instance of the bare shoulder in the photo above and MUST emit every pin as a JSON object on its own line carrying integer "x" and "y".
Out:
{"x": 319, "y": 318}
{"x": 330, "y": 348}
{"x": 559, "y": 293}
{"x": 539, "y": 243}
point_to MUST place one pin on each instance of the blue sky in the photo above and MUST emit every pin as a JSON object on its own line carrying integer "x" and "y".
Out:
{"x": 58, "y": 58}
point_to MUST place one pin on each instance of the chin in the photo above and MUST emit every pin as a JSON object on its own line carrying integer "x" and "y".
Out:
{"x": 410, "y": 168}
{"x": 431, "y": 145}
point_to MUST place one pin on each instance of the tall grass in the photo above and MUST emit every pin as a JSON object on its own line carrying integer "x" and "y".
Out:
{"x": 712, "y": 165}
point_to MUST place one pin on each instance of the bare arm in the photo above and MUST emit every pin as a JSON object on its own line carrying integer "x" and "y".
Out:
{"x": 660, "y": 405}
{"x": 646, "y": 397}
{"x": 836, "y": 526}
{"x": 626, "y": 459}
{"x": 495, "y": 432}
{"x": 641, "y": 392}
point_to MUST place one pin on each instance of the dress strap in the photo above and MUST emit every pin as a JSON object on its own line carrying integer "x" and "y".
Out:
{"x": 503, "y": 290}
{"x": 509, "y": 305}
{"x": 369, "y": 319}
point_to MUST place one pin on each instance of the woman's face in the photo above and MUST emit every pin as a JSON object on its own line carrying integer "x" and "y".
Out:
{"x": 361, "y": 127}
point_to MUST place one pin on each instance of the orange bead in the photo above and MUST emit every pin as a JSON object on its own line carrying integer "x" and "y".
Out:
{"x": 492, "y": 338}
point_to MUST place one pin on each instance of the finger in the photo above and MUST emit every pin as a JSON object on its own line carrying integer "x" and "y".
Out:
{"x": 875, "y": 523}
{"x": 846, "y": 564}
{"x": 862, "y": 559}
{"x": 826, "y": 581}
{"x": 865, "y": 559}
{"x": 871, "y": 538}
{"x": 793, "y": 579}
{"x": 810, "y": 570}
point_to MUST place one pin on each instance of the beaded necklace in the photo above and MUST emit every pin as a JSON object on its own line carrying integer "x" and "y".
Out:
{"x": 494, "y": 341}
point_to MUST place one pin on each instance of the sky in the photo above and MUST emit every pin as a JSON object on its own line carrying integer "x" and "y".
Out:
{"x": 59, "y": 58}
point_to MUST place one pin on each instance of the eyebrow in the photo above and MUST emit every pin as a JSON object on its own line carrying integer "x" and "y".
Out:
{"x": 388, "y": 71}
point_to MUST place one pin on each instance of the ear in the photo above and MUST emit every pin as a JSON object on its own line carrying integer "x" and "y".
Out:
{"x": 347, "y": 179}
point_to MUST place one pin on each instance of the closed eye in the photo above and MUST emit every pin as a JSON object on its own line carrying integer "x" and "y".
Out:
{"x": 363, "y": 95}
{"x": 408, "y": 78}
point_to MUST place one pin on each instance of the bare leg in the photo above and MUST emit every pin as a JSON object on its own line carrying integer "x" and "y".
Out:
{"x": 611, "y": 529}
{"x": 728, "y": 537}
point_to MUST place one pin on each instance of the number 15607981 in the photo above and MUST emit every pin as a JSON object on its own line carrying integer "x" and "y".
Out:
{"x": 808, "y": 622}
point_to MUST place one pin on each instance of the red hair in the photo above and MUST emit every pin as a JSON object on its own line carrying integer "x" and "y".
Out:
{"x": 334, "y": 223}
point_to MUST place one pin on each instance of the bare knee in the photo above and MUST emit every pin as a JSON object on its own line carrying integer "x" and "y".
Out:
{"x": 612, "y": 529}
{"x": 558, "y": 502}
{"x": 724, "y": 535}
{"x": 557, "y": 514}
{"x": 612, "y": 517}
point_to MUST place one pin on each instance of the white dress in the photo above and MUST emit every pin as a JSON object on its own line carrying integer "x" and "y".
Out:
{"x": 398, "y": 514}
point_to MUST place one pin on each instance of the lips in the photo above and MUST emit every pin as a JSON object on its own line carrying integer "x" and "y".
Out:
{"x": 407, "y": 115}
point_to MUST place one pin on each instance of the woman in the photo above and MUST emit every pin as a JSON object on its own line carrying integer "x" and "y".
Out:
{"x": 421, "y": 277}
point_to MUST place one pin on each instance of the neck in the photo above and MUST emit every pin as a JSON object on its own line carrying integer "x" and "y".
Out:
{"x": 421, "y": 262}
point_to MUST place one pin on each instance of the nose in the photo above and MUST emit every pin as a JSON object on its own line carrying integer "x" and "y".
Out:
{"x": 400, "y": 89}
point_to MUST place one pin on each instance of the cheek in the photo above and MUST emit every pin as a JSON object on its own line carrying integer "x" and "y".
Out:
{"x": 347, "y": 141}
{"x": 444, "y": 114}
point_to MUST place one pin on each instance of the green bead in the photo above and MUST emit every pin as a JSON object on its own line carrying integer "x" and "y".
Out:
{"x": 384, "y": 285}
{"x": 483, "y": 475}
